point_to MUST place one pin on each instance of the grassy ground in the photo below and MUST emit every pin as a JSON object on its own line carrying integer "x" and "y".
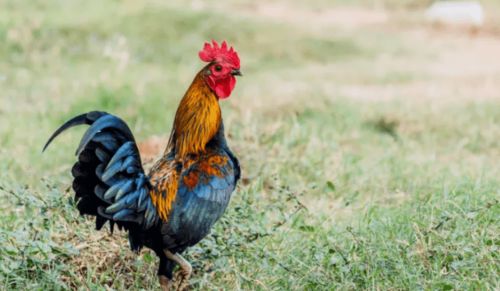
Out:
{"x": 368, "y": 141}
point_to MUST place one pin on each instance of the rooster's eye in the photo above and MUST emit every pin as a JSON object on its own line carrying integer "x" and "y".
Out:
{"x": 218, "y": 68}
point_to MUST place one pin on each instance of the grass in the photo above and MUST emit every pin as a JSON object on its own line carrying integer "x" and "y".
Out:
{"x": 355, "y": 175}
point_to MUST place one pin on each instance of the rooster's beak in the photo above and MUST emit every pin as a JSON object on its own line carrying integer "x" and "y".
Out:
{"x": 236, "y": 72}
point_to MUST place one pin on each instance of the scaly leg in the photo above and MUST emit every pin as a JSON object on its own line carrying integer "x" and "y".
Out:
{"x": 185, "y": 272}
{"x": 165, "y": 283}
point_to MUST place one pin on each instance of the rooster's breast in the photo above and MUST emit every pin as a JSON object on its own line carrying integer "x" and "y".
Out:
{"x": 204, "y": 191}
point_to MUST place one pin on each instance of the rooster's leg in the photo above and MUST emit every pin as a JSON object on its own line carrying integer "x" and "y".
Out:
{"x": 186, "y": 269}
{"x": 165, "y": 283}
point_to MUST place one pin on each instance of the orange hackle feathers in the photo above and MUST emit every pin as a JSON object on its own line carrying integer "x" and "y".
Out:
{"x": 197, "y": 120}
{"x": 165, "y": 179}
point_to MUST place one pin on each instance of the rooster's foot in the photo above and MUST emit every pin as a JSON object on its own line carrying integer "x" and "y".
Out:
{"x": 165, "y": 283}
{"x": 181, "y": 280}
{"x": 183, "y": 275}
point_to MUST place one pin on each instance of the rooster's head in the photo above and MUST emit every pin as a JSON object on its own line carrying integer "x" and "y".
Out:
{"x": 224, "y": 65}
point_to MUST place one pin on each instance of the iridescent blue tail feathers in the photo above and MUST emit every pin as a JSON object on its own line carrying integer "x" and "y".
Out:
{"x": 109, "y": 180}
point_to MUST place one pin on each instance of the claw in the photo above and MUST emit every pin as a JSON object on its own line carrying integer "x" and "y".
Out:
{"x": 165, "y": 283}
{"x": 181, "y": 279}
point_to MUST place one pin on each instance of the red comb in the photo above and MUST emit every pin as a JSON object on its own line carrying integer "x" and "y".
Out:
{"x": 213, "y": 52}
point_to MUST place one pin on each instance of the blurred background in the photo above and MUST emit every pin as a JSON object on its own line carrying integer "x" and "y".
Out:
{"x": 368, "y": 133}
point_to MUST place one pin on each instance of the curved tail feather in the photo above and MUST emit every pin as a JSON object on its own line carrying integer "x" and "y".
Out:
{"x": 86, "y": 118}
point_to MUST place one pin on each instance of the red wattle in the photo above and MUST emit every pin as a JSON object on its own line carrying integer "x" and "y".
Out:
{"x": 223, "y": 87}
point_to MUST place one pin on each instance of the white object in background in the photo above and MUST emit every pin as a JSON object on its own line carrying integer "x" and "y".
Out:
{"x": 456, "y": 13}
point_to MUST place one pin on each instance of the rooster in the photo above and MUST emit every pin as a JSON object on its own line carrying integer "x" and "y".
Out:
{"x": 188, "y": 188}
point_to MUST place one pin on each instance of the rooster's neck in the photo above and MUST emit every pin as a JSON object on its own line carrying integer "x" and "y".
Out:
{"x": 197, "y": 120}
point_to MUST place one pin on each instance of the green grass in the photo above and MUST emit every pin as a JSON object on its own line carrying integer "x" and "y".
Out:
{"x": 338, "y": 192}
